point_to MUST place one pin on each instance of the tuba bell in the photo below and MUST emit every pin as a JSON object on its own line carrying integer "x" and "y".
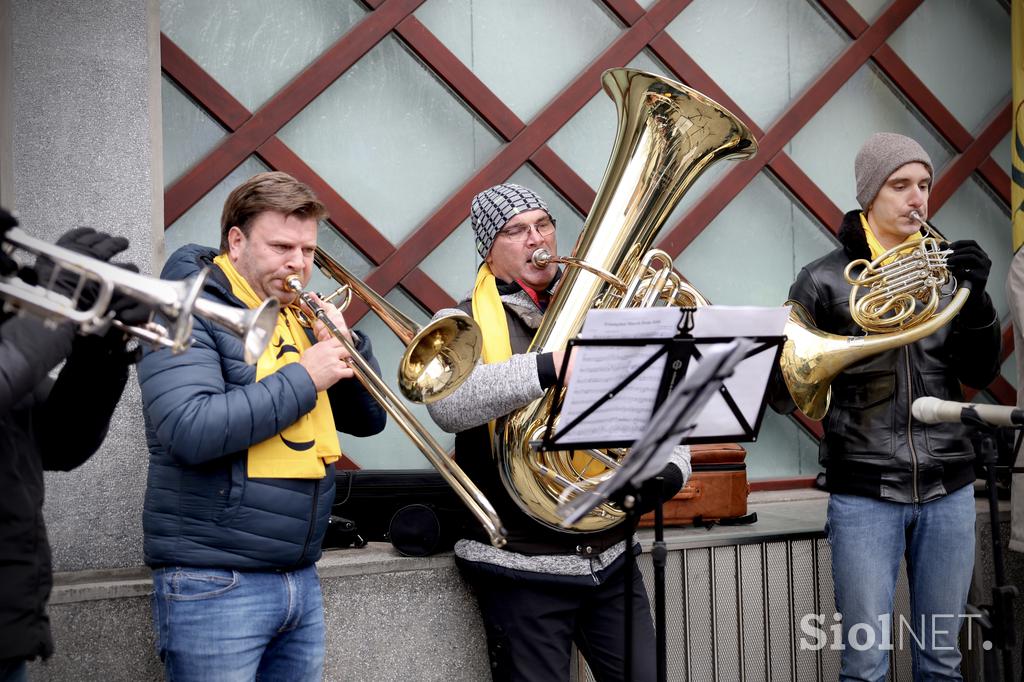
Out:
{"x": 900, "y": 306}
{"x": 668, "y": 134}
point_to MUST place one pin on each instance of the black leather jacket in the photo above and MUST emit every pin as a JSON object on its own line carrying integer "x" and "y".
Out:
{"x": 872, "y": 446}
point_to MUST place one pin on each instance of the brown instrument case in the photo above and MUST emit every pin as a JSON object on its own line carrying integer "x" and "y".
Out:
{"x": 717, "y": 488}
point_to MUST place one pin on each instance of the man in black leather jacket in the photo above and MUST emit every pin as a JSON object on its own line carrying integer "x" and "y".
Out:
{"x": 898, "y": 487}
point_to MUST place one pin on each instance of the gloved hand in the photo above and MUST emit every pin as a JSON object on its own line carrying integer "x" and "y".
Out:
{"x": 113, "y": 344}
{"x": 7, "y": 264}
{"x": 88, "y": 242}
{"x": 653, "y": 491}
{"x": 126, "y": 309}
{"x": 970, "y": 265}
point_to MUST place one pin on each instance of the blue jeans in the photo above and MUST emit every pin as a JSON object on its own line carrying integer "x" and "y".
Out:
{"x": 217, "y": 624}
{"x": 13, "y": 671}
{"x": 868, "y": 538}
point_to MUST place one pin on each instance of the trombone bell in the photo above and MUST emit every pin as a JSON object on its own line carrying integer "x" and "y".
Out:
{"x": 437, "y": 358}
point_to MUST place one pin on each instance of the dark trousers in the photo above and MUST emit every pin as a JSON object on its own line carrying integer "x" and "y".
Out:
{"x": 532, "y": 621}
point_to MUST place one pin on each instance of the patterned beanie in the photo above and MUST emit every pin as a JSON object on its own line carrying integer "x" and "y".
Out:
{"x": 494, "y": 207}
{"x": 879, "y": 158}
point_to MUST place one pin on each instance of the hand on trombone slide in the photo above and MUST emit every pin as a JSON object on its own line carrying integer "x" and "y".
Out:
{"x": 327, "y": 360}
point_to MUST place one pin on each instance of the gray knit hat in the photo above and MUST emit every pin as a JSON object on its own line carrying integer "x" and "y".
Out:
{"x": 880, "y": 156}
{"x": 494, "y": 207}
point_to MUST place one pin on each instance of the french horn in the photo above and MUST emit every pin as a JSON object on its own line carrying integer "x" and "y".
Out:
{"x": 895, "y": 297}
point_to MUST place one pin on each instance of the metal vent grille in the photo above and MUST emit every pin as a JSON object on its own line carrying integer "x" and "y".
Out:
{"x": 733, "y": 612}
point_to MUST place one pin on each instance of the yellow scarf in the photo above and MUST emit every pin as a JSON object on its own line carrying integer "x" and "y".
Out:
{"x": 876, "y": 246}
{"x": 490, "y": 315}
{"x": 302, "y": 449}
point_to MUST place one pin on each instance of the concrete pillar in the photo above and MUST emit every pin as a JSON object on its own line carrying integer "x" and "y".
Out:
{"x": 80, "y": 145}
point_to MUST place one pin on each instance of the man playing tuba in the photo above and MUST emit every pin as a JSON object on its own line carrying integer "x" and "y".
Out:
{"x": 898, "y": 487}
{"x": 546, "y": 589}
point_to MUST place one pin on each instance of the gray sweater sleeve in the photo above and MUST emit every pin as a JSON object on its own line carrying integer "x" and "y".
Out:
{"x": 681, "y": 458}
{"x": 491, "y": 391}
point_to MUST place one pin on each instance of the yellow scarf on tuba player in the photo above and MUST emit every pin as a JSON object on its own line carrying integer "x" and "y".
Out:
{"x": 302, "y": 449}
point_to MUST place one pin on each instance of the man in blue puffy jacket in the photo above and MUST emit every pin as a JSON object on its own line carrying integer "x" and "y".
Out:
{"x": 241, "y": 467}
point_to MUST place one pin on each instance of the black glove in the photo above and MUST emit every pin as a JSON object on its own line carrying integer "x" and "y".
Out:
{"x": 653, "y": 490}
{"x": 7, "y": 264}
{"x": 126, "y": 309}
{"x": 970, "y": 265}
{"x": 88, "y": 242}
{"x": 113, "y": 344}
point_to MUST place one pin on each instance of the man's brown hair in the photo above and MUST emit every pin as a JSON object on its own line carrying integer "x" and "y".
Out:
{"x": 273, "y": 191}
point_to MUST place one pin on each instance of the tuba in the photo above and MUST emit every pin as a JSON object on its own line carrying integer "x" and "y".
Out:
{"x": 900, "y": 306}
{"x": 667, "y": 136}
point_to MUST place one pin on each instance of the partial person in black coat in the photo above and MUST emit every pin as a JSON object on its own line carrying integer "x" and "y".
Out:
{"x": 47, "y": 424}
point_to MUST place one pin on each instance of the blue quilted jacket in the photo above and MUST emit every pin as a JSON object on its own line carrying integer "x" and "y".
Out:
{"x": 203, "y": 409}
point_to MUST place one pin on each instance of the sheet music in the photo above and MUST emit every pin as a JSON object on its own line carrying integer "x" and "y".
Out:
{"x": 598, "y": 369}
{"x": 747, "y": 385}
{"x": 671, "y": 422}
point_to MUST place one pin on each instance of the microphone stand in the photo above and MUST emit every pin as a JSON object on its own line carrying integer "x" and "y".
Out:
{"x": 995, "y": 619}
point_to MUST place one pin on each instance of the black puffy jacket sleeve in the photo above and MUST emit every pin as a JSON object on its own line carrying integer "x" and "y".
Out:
{"x": 28, "y": 351}
{"x": 81, "y": 402}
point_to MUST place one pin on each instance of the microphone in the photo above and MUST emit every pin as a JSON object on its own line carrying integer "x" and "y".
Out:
{"x": 931, "y": 410}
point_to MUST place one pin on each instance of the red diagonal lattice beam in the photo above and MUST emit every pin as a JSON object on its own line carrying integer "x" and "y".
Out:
{"x": 934, "y": 111}
{"x": 282, "y": 107}
{"x": 527, "y": 142}
{"x": 231, "y": 114}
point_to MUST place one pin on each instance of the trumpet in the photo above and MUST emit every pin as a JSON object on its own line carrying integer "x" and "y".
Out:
{"x": 176, "y": 301}
{"x": 467, "y": 491}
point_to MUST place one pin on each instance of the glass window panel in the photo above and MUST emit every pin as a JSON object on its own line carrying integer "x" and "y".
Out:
{"x": 826, "y": 147}
{"x": 1002, "y": 153}
{"x": 782, "y": 450}
{"x": 585, "y": 141}
{"x": 453, "y": 264}
{"x": 763, "y": 54}
{"x": 189, "y": 132}
{"x": 254, "y": 47}
{"x": 751, "y": 252}
{"x": 949, "y": 44}
{"x": 341, "y": 250}
{"x": 869, "y": 9}
{"x": 201, "y": 223}
{"x": 392, "y": 449}
{"x": 972, "y": 213}
{"x": 526, "y": 51}
{"x": 391, "y": 139}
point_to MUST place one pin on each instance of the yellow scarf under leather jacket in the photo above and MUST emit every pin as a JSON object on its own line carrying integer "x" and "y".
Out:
{"x": 303, "y": 448}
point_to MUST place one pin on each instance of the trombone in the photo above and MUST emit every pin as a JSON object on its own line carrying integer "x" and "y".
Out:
{"x": 177, "y": 301}
{"x": 437, "y": 358}
{"x": 452, "y": 474}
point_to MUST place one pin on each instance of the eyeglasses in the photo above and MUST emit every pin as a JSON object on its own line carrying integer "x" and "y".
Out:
{"x": 517, "y": 233}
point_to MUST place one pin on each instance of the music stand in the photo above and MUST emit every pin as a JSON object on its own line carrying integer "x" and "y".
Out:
{"x": 683, "y": 393}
